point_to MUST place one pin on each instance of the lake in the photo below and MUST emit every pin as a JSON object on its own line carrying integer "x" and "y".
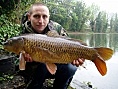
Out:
{"x": 91, "y": 74}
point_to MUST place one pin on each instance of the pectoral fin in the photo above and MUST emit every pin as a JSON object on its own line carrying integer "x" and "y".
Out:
{"x": 51, "y": 68}
{"x": 22, "y": 62}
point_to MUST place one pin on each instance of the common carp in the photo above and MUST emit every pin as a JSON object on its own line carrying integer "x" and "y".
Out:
{"x": 50, "y": 50}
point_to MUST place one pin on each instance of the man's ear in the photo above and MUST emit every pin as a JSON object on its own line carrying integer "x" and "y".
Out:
{"x": 49, "y": 16}
{"x": 28, "y": 15}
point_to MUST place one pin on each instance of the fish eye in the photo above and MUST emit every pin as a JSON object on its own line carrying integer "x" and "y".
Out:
{"x": 9, "y": 41}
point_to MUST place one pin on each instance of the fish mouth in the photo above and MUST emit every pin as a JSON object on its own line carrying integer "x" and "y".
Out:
{"x": 7, "y": 42}
{"x": 4, "y": 43}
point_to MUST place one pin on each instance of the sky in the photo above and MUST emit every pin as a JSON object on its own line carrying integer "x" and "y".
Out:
{"x": 110, "y": 6}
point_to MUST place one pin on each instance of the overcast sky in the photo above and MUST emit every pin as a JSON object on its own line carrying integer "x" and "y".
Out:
{"x": 110, "y": 6}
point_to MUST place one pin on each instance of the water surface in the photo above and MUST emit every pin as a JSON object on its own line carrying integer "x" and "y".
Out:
{"x": 91, "y": 74}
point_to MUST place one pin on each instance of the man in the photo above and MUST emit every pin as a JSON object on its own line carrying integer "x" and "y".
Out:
{"x": 37, "y": 21}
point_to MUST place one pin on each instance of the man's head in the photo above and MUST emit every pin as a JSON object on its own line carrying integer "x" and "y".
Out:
{"x": 39, "y": 16}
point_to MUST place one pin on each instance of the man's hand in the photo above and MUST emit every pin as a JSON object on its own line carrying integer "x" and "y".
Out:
{"x": 27, "y": 57}
{"x": 78, "y": 62}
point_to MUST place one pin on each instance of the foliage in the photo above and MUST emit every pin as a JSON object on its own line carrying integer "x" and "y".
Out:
{"x": 8, "y": 29}
{"x": 6, "y": 77}
{"x": 94, "y": 10}
{"x": 116, "y": 23}
{"x": 70, "y": 14}
{"x": 7, "y": 6}
{"x": 82, "y": 14}
{"x": 101, "y": 22}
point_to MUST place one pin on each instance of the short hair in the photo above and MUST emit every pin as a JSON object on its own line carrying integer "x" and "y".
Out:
{"x": 36, "y": 4}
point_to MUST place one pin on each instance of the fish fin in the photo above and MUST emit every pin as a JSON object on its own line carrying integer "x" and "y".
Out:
{"x": 77, "y": 40}
{"x": 51, "y": 68}
{"x": 105, "y": 53}
{"x": 101, "y": 65}
{"x": 54, "y": 33}
{"x": 22, "y": 62}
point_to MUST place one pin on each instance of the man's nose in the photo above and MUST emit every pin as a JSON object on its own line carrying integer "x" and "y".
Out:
{"x": 41, "y": 19}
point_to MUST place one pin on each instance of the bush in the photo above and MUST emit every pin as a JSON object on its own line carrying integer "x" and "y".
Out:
{"x": 8, "y": 29}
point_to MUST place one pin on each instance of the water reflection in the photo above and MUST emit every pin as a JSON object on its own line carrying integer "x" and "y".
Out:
{"x": 97, "y": 40}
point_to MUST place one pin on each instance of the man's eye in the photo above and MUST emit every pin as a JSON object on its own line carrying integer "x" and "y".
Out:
{"x": 36, "y": 16}
{"x": 44, "y": 16}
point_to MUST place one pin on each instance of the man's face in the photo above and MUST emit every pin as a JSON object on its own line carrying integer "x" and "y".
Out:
{"x": 39, "y": 18}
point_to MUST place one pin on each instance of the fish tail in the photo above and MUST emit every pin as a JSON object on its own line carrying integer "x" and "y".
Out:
{"x": 101, "y": 65}
{"x": 105, "y": 53}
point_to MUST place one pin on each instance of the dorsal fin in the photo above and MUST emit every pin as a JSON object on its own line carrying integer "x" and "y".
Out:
{"x": 54, "y": 33}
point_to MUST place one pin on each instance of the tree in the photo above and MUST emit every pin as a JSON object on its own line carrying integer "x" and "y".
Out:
{"x": 116, "y": 23}
{"x": 94, "y": 10}
{"x": 82, "y": 15}
{"x": 111, "y": 24}
{"x": 101, "y": 22}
